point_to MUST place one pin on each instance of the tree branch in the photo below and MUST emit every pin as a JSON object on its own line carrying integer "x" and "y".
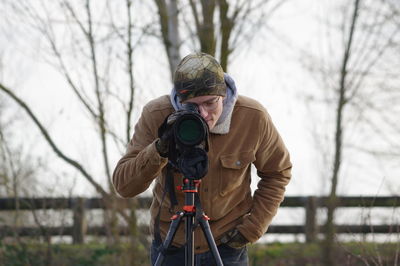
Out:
{"x": 49, "y": 140}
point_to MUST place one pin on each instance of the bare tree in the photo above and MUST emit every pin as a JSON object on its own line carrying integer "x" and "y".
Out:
{"x": 341, "y": 102}
{"x": 19, "y": 172}
{"x": 216, "y": 27}
{"x": 14, "y": 172}
{"x": 358, "y": 79}
{"x": 95, "y": 55}
{"x": 169, "y": 24}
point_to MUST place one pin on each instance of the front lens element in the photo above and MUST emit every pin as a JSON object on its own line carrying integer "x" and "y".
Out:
{"x": 190, "y": 131}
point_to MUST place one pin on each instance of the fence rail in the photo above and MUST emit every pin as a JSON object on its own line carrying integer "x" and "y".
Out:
{"x": 79, "y": 206}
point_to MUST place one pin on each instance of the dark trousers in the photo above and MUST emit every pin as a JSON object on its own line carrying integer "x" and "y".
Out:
{"x": 230, "y": 257}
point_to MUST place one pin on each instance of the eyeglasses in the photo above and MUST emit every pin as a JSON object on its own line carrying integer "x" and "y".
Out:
{"x": 210, "y": 105}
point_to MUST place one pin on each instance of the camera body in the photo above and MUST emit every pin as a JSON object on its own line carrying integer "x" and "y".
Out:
{"x": 189, "y": 143}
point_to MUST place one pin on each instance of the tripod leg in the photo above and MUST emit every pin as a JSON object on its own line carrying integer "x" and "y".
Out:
{"x": 205, "y": 226}
{"x": 176, "y": 220}
{"x": 189, "y": 254}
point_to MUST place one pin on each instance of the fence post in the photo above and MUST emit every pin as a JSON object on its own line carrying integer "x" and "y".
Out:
{"x": 80, "y": 225}
{"x": 310, "y": 225}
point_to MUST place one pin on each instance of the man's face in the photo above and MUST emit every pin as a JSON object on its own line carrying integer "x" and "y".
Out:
{"x": 210, "y": 107}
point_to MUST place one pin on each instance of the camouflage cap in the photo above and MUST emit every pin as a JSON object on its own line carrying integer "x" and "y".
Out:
{"x": 197, "y": 75}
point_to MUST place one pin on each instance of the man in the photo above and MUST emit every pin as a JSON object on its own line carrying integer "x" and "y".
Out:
{"x": 241, "y": 134}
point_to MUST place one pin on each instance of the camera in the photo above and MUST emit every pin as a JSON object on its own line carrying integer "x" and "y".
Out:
{"x": 189, "y": 143}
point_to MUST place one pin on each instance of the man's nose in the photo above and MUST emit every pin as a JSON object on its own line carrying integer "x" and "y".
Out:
{"x": 203, "y": 111}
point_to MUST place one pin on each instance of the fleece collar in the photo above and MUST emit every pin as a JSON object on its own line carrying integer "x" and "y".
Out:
{"x": 223, "y": 124}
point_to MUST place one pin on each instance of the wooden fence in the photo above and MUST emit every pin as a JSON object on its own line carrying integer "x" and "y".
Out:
{"x": 79, "y": 207}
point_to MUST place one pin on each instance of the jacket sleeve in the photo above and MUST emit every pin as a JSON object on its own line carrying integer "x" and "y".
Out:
{"x": 141, "y": 163}
{"x": 274, "y": 168}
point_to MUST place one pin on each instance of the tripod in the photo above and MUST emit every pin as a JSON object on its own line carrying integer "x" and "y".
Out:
{"x": 190, "y": 188}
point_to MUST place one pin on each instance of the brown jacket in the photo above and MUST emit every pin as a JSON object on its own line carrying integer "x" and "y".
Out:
{"x": 225, "y": 191}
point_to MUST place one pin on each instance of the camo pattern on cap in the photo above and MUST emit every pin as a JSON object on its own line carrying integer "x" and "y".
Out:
{"x": 197, "y": 75}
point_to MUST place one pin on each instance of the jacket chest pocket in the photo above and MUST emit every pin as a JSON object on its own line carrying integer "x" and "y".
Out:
{"x": 235, "y": 171}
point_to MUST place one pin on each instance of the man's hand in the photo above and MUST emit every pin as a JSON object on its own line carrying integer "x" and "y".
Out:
{"x": 234, "y": 239}
{"x": 165, "y": 132}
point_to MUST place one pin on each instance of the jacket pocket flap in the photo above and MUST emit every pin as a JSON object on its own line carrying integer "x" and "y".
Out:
{"x": 237, "y": 160}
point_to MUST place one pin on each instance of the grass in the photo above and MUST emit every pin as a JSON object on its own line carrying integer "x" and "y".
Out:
{"x": 350, "y": 253}
{"x": 96, "y": 254}
{"x": 287, "y": 254}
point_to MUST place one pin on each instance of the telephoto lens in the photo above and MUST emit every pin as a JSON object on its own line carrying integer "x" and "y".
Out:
{"x": 191, "y": 143}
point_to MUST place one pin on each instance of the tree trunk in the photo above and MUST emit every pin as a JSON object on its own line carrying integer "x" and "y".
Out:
{"x": 329, "y": 247}
{"x": 168, "y": 13}
{"x": 226, "y": 30}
